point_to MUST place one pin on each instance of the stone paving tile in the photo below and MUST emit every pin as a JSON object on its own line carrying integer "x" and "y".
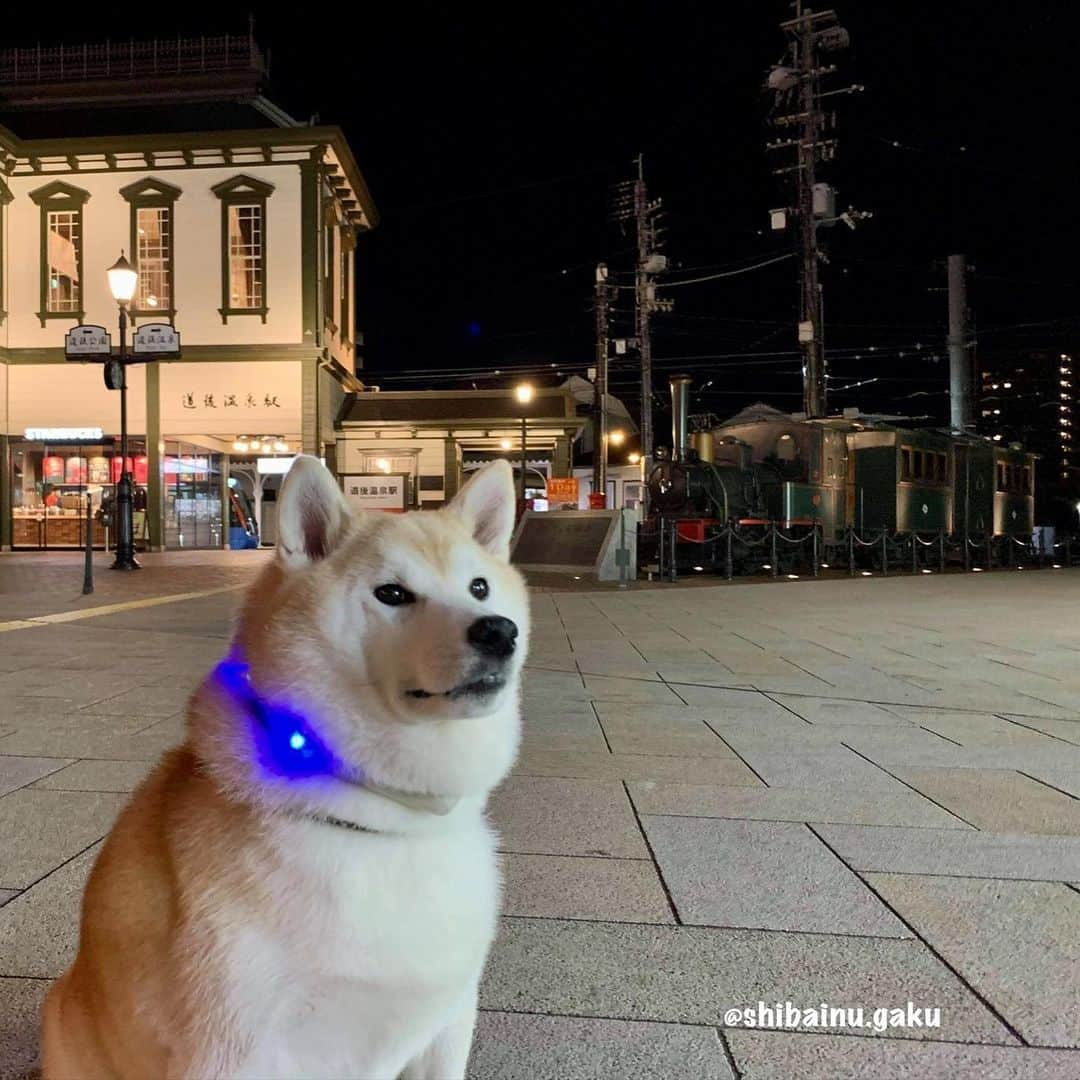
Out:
{"x": 515, "y": 1046}
{"x": 822, "y": 766}
{"x": 1016, "y": 942}
{"x": 17, "y": 772}
{"x": 956, "y": 852}
{"x": 762, "y": 875}
{"x": 108, "y": 743}
{"x": 781, "y": 1055}
{"x": 632, "y": 735}
{"x": 1065, "y": 730}
{"x": 553, "y": 816}
{"x": 39, "y": 929}
{"x": 601, "y": 688}
{"x": 7, "y": 894}
{"x": 937, "y": 754}
{"x": 834, "y": 711}
{"x": 160, "y": 700}
{"x": 857, "y": 807}
{"x": 706, "y": 769}
{"x": 98, "y": 776}
{"x": 563, "y": 887}
{"x": 998, "y": 800}
{"x": 1063, "y": 778}
{"x": 19, "y": 1025}
{"x": 686, "y": 974}
{"x": 40, "y": 829}
{"x": 737, "y": 708}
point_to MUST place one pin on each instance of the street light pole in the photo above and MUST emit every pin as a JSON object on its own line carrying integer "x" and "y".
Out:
{"x": 122, "y": 282}
{"x": 524, "y": 394}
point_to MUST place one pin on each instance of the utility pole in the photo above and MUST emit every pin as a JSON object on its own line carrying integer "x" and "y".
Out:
{"x": 632, "y": 201}
{"x": 796, "y": 84}
{"x": 600, "y": 381}
{"x": 960, "y": 410}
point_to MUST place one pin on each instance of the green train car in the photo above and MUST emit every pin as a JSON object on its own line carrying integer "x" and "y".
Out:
{"x": 871, "y": 473}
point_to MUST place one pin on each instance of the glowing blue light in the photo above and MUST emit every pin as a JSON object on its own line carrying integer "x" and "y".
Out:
{"x": 286, "y": 744}
{"x": 474, "y": 329}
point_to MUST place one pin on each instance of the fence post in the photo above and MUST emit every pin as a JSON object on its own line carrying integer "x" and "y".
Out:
{"x": 941, "y": 550}
{"x": 660, "y": 549}
{"x": 1010, "y": 547}
{"x": 729, "y": 564}
{"x": 815, "y": 551}
{"x": 989, "y": 552}
{"x": 851, "y": 551}
{"x": 967, "y": 550}
{"x": 673, "y": 547}
{"x": 914, "y": 553}
{"x": 88, "y": 564}
{"x": 775, "y": 568}
{"x": 885, "y": 552}
{"x": 1068, "y": 550}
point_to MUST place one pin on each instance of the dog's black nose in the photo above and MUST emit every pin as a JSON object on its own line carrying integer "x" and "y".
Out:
{"x": 493, "y": 635}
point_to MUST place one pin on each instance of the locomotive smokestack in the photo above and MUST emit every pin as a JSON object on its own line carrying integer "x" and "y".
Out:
{"x": 680, "y": 412}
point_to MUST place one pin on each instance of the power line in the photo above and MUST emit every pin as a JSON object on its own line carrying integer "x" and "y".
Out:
{"x": 729, "y": 273}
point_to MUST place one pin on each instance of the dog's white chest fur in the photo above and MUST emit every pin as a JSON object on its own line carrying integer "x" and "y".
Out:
{"x": 377, "y": 944}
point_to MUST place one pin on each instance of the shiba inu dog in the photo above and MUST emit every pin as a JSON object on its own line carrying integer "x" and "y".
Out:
{"x": 307, "y": 887}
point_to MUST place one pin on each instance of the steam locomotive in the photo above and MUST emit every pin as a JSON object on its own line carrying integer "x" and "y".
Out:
{"x": 871, "y": 473}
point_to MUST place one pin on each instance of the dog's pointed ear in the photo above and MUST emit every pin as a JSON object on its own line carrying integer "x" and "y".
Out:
{"x": 313, "y": 517}
{"x": 487, "y": 505}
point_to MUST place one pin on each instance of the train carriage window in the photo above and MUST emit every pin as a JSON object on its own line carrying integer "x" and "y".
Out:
{"x": 905, "y": 463}
{"x": 920, "y": 465}
{"x": 942, "y": 469}
{"x": 1027, "y": 480}
{"x": 786, "y": 449}
{"x": 1001, "y": 476}
{"x": 830, "y": 468}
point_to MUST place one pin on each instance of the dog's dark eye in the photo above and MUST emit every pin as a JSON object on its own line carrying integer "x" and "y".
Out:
{"x": 479, "y": 588}
{"x": 393, "y": 595}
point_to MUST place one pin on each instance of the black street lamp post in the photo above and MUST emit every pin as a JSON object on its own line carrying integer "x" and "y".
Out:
{"x": 122, "y": 282}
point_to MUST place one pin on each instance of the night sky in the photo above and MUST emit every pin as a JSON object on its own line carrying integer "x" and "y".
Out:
{"x": 491, "y": 142}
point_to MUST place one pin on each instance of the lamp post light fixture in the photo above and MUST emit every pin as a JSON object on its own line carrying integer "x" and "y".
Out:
{"x": 633, "y": 458}
{"x": 524, "y": 393}
{"x": 617, "y": 437}
{"x": 122, "y": 283}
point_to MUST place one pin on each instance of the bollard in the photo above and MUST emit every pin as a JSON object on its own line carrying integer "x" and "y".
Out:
{"x": 660, "y": 550}
{"x": 673, "y": 547}
{"x": 729, "y": 562}
{"x": 989, "y": 552}
{"x": 88, "y": 565}
{"x": 851, "y": 551}
{"x": 775, "y": 569}
{"x": 1068, "y": 551}
{"x": 884, "y": 553}
{"x": 815, "y": 553}
{"x": 941, "y": 550}
{"x": 914, "y": 553}
{"x": 967, "y": 550}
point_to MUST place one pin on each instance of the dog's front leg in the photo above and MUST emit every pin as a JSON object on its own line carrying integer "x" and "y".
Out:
{"x": 448, "y": 1053}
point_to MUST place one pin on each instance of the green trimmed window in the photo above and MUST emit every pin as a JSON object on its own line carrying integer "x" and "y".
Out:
{"x": 62, "y": 207}
{"x": 153, "y": 230}
{"x": 243, "y": 246}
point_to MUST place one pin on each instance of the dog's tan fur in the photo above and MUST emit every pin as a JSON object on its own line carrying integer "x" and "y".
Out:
{"x": 226, "y": 930}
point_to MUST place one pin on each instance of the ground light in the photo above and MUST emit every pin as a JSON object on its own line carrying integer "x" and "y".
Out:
{"x": 699, "y": 569}
{"x": 793, "y": 577}
{"x": 867, "y": 573}
{"x": 927, "y": 571}
{"x": 976, "y": 569}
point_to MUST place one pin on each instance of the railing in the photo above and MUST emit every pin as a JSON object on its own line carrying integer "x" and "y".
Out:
{"x": 115, "y": 59}
{"x": 728, "y": 547}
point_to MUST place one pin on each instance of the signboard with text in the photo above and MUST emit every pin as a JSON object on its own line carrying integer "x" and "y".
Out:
{"x": 156, "y": 339}
{"x": 377, "y": 491}
{"x": 561, "y": 490}
{"x": 82, "y": 342}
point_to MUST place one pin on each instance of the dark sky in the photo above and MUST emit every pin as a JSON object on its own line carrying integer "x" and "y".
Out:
{"x": 491, "y": 140}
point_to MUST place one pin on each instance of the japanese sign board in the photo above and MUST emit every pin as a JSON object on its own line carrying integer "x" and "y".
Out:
{"x": 81, "y": 342}
{"x": 562, "y": 489}
{"x": 377, "y": 491}
{"x": 157, "y": 339}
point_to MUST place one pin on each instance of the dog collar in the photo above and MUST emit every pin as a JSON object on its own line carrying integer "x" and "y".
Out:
{"x": 290, "y": 748}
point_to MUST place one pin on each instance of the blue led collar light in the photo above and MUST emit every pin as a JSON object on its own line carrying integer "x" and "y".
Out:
{"x": 287, "y": 744}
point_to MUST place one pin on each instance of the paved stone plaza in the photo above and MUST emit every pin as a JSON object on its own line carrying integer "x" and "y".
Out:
{"x": 857, "y": 793}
